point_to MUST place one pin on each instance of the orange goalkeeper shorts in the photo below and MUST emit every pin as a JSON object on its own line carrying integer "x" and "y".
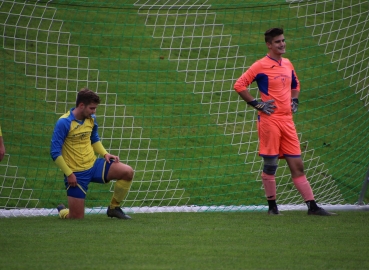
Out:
{"x": 278, "y": 137}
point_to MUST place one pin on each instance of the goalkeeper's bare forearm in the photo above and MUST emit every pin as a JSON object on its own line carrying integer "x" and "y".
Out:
{"x": 246, "y": 96}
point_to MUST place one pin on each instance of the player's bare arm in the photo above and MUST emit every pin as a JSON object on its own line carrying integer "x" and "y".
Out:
{"x": 295, "y": 94}
{"x": 246, "y": 96}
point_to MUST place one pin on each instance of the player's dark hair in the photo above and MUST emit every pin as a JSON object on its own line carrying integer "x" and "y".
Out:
{"x": 272, "y": 33}
{"x": 86, "y": 96}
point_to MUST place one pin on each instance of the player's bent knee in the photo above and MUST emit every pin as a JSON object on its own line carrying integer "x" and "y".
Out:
{"x": 126, "y": 172}
{"x": 129, "y": 172}
{"x": 119, "y": 171}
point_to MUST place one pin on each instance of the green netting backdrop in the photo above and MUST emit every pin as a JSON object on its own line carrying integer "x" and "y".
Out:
{"x": 165, "y": 72}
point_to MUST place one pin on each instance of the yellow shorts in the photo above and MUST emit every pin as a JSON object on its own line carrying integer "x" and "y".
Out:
{"x": 278, "y": 137}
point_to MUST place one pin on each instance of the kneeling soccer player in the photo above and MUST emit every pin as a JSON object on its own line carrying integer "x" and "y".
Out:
{"x": 74, "y": 142}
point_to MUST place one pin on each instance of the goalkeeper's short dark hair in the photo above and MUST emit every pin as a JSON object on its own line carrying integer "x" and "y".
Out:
{"x": 272, "y": 33}
{"x": 86, "y": 96}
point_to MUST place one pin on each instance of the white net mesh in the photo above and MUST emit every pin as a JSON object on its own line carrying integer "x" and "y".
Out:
{"x": 193, "y": 37}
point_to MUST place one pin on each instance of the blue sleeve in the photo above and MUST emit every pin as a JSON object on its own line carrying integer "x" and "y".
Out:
{"x": 61, "y": 130}
{"x": 94, "y": 135}
{"x": 263, "y": 83}
{"x": 294, "y": 83}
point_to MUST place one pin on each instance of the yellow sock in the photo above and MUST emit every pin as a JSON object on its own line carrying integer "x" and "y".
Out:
{"x": 64, "y": 213}
{"x": 121, "y": 189}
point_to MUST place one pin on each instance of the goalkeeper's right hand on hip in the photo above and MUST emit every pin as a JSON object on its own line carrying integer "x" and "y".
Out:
{"x": 263, "y": 106}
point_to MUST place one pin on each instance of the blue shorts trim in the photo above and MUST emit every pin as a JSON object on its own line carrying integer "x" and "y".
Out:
{"x": 269, "y": 156}
{"x": 293, "y": 156}
{"x": 97, "y": 174}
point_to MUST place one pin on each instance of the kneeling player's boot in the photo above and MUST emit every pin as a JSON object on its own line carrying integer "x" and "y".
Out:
{"x": 63, "y": 211}
{"x": 320, "y": 212}
{"x": 274, "y": 211}
{"x": 117, "y": 212}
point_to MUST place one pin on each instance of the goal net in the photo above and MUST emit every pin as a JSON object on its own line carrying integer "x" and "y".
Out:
{"x": 165, "y": 71}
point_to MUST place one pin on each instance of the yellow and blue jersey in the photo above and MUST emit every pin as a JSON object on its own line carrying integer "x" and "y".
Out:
{"x": 72, "y": 139}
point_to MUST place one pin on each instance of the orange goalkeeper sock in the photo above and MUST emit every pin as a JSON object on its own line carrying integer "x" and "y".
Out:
{"x": 269, "y": 186}
{"x": 303, "y": 186}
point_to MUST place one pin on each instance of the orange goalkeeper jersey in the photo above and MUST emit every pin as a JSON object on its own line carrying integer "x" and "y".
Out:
{"x": 275, "y": 80}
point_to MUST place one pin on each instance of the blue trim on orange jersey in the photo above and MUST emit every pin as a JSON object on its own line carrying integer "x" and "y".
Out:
{"x": 262, "y": 82}
{"x": 278, "y": 62}
{"x": 294, "y": 83}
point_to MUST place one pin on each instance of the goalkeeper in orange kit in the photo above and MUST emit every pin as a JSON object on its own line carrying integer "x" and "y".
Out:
{"x": 279, "y": 88}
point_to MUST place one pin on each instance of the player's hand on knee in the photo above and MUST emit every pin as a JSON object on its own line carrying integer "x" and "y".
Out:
{"x": 111, "y": 158}
{"x": 294, "y": 105}
{"x": 266, "y": 107}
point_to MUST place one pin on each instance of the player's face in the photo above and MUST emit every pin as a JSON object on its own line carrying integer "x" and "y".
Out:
{"x": 278, "y": 45}
{"x": 89, "y": 110}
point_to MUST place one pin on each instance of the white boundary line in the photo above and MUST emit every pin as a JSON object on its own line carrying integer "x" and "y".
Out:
{"x": 33, "y": 212}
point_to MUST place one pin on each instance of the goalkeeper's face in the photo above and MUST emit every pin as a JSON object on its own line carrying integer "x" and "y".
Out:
{"x": 278, "y": 45}
{"x": 89, "y": 110}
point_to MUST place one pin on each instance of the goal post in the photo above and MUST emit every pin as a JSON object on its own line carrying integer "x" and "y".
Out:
{"x": 364, "y": 189}
{"x": 165, "y": 70}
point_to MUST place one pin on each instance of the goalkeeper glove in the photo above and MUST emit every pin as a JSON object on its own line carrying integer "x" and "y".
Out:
{"x": 294, "y": 105}
{"x": 265, "y": 107}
